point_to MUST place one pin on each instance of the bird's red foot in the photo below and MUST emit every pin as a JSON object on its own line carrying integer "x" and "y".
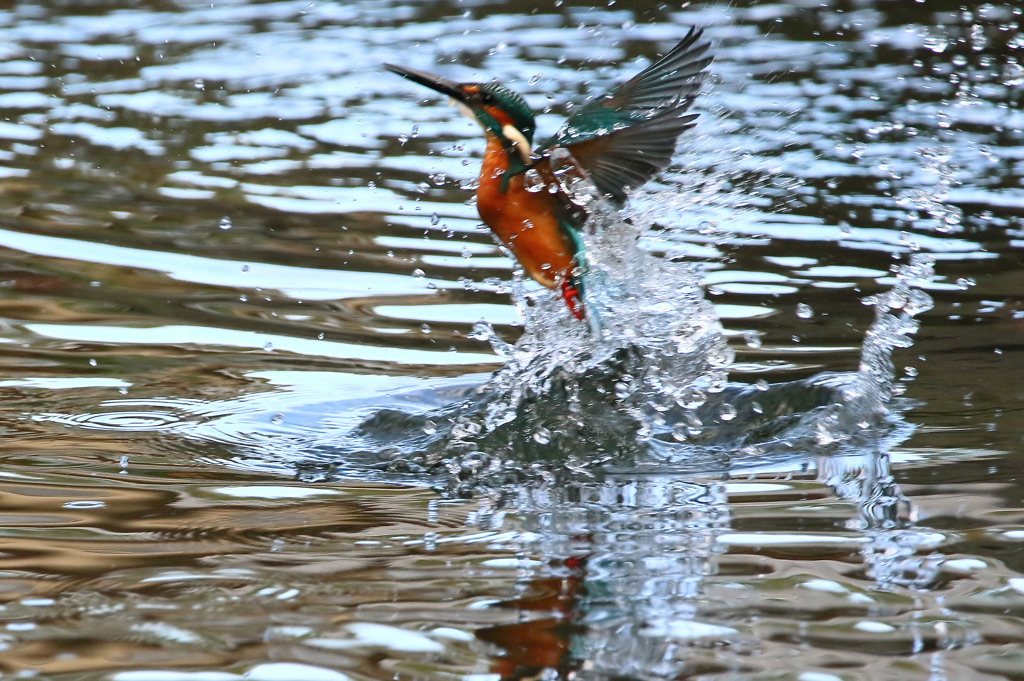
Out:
{"x": 573, "y": 300}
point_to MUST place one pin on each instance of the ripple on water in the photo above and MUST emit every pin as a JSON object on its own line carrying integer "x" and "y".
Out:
{"x": 129, "y": 421}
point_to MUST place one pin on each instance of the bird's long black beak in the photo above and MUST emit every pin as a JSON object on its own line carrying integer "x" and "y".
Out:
{"x": 437, "y": 83}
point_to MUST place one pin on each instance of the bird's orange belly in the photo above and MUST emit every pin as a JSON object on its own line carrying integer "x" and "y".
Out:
{"x": 526, "y": 223}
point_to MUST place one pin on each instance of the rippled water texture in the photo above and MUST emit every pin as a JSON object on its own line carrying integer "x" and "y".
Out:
{"x": 271, "y": 409}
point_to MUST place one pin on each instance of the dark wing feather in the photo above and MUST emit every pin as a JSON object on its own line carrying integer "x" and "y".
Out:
{"x": 626, "y": 137}
{"x": 629, "y": 157}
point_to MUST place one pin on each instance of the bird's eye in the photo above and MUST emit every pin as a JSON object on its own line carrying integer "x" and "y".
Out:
{"x": 487, "y": 99}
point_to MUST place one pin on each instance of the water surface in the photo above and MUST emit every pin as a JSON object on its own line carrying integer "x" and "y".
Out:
{"x": 241, "y": 273}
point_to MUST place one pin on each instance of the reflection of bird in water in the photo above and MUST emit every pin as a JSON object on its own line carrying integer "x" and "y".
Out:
{"x": 617, "y": 142}
{"x": 623, "y": 566}
{"x": 616, "y": 594}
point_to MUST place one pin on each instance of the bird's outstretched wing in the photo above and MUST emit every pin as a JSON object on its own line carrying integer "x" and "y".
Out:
{"x": 627, "y": 136}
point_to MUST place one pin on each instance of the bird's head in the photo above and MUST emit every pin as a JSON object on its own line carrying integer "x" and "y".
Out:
{"x": 493, "y": 106}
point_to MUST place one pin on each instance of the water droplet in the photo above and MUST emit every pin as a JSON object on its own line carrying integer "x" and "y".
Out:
{"x": 92, "y": 362}
{"x": 804, "y": 311}
{"x": 434, "y": 219}
{"x": 243, "y": 298}
{"x": 245, "y": 268}
{"x": 752, "y": 339}
{"x": 320, "y": 336}
{"x": 418, "y": 273}
{"x": 534, "y": 79}
{"x": 756, "y": 407}
{"x": 268, "y": 346}
{"x": 542, "y": 436}
{"x": 225, "y": 222}
{"x": 277, "y": 419}
{"x": 727, "y": 412}
{"x": 761, "y": 384}
{"x": 964, "y": 283}
{"x": 199, "y": 84}
{"x": 936, "y": 44}
{"x": 123, "y": 463}
{"x": 691, "y": 398}
{"x": 425, "y": 328}
{"x": 1013, "y": 74}
{"x": 481, "y": 332}
{"x": 429, "y": 427}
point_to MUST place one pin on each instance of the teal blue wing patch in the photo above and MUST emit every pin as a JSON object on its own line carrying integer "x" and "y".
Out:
{"x": 627, "y": 136}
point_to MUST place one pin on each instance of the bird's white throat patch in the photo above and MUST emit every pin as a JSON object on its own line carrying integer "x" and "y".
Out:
{"x": 512, "y": 133}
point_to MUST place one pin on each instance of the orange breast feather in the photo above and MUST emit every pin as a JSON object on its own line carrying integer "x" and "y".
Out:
{"x": 525, "y": 221}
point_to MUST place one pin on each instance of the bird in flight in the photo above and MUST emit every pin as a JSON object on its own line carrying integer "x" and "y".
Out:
{"x": 616, "y": 142}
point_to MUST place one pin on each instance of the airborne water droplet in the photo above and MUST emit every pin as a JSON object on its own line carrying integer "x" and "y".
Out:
{"x": 542, "y": 436}
{"x": 804, "y": 311}
{"x": 1013, "y": 74}
{"x": 691, "y": 398}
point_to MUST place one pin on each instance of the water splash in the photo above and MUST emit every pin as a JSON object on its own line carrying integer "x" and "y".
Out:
{"x": 651, "y": 388}
{"x": 660, "y": 345}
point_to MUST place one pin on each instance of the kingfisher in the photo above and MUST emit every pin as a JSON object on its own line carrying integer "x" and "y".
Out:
{"x": 615, "y": 143}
